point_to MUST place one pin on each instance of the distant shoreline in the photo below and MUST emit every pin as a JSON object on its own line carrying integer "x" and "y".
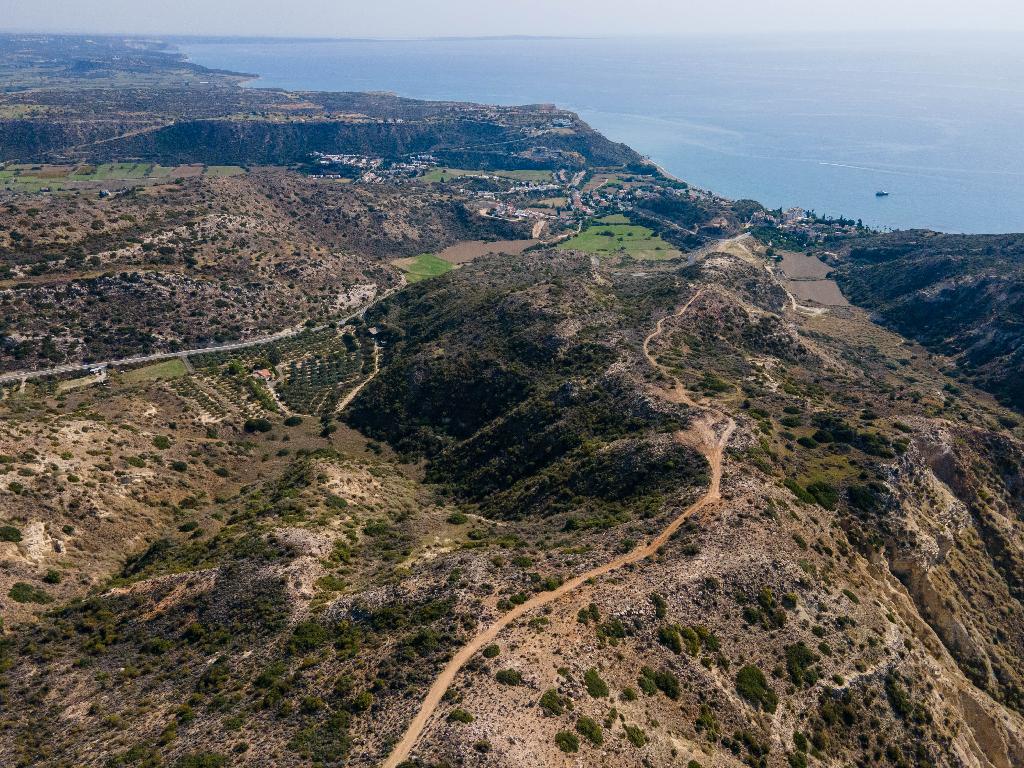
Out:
{"x": 713, "y": 132}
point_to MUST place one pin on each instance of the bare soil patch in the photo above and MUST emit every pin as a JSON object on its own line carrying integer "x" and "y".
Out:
{"x": 460, "y": 253}
{"x": 799, "y": 266}
{"x": 821, "y": 291}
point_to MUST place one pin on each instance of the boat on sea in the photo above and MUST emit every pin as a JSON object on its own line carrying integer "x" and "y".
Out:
{"x": 881, "y": 193}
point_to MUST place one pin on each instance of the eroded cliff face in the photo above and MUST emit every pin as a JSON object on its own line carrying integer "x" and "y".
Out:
{"x": 955, "y": 543}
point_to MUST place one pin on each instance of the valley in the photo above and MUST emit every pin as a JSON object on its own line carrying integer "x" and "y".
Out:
{"x": 424, "y": 435}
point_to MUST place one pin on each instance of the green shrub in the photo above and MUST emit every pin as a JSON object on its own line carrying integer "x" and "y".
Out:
{"x": 330, "y": 583}
{"x": 668, "y": 635}
{"x": 690, "y": 640}
{"x": 179, "y": 466}
{"x": 898, "y": 697}
{"x": 52, "y": 577}
{"x": 10, "y": 533}
{"x": 257, "y": 425}
{"x": 491, "y": 651}
{"x": 660, "y": 606}
{"x": 596, "y": 687}
{"x": 307, "y": 636}
{"x": 799, "y": 491}
{"x": 635, "y": 735}
{"x": 824, "y": 494}
{"x": 707, "y": 723}
{"x": 293, "y": 421}
{"x": 457, "y": 518}
{"x": 551, "y": 703}
{"x": 567, "y": 741}
{"x": 647, "y": 685}
{"x": 460, "y": 716}
{"x": 21, "y": 592}
{"x": 590, "y": 730}
{"x": 163, "y": 442}
{"x": 663, "y": 680}
{"x": 324, "y": 740}
{"x": 799, "y": 663}
{"x": 667, "y": 683}
{"x": 509, "y": 677}
{"x": 588, "y": 614}
{"x": 752, "y": 686}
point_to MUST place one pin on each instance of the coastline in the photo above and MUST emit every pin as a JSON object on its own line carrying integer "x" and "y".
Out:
{"x": 786, "y": 142}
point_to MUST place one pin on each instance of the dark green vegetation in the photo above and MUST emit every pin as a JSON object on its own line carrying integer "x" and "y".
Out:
{"x": 511, "y": 416}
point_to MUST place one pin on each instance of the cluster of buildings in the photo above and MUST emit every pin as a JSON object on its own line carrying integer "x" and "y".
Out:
{"x": 372, "y": 170}
{"x": 513, "y": 211}
{"x": 362, "y": 162}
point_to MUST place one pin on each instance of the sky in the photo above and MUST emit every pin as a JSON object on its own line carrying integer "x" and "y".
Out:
{"x": 426, "y": 18}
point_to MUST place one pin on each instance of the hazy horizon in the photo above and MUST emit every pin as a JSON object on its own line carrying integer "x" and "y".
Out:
{"x": 401, "y": 19}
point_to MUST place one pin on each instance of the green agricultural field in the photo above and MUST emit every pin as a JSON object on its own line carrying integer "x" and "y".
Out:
{"x": 612, "y": 235}
{"x": 28, "y": 184}
{"x": 166, "y": 369}
{"x": 437, "y": 174}
{"x": 421, "y": 267}
{"x": 224, "y": 170}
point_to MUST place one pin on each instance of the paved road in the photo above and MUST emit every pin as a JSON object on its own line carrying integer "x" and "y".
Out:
{"x": 17, "y": 376}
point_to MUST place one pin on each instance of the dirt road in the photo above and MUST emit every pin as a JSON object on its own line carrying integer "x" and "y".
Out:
{"x": 359, "y": 387}
{"x": 22, "y": 376}
{"x": 704, "y": 436}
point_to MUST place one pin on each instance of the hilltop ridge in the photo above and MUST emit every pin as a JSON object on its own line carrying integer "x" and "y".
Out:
{"x": 468, "y": 456}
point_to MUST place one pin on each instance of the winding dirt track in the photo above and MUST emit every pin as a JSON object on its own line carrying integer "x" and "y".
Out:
{"x": 710, "y": 444}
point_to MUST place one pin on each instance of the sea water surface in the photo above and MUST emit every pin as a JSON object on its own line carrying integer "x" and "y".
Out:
{"x": 822, "y": 123}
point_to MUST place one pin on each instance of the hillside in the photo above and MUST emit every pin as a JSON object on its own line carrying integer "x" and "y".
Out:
{"x": 959, "y": 295}
{"x": 126, "y": 100}
{"x": 518, "y": 457}
{"x": 810, "y": 614}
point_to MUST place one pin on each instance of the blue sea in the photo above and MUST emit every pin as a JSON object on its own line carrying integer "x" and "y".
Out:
{"x": 822, "y": 123}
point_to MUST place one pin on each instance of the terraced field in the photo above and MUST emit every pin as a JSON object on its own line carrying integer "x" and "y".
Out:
{"x": 312, "y": 371}
{"x": 313, "y": 385}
